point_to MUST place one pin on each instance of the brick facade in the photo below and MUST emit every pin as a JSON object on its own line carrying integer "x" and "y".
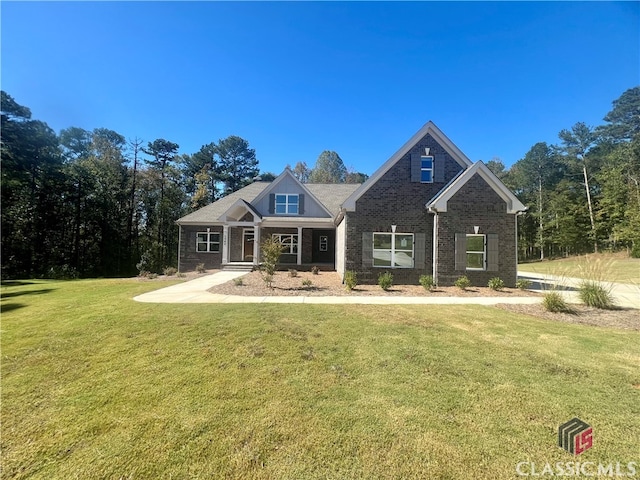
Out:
{"x": 189, "y": 258}
{"x": 395, "y": 200}
{"x": 476, "y": 204}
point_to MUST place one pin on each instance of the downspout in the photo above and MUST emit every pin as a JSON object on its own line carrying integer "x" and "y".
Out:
{"x": 518, "y": 213}
{"x": 435, "y": 244}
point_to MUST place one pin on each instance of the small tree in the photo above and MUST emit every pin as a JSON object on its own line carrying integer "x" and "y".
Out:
{"x": 271, "y": 250}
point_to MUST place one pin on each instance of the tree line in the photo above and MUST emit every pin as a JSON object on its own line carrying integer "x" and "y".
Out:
{"x": 92, "y": 203}
{"x": 583, "y": 193}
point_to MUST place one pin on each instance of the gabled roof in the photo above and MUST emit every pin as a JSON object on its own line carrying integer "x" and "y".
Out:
{"x": 288, "y": 174}
{"x": 213, "y": 211}
{"x": 439, "y": 202}
{"x": 331, "y": 196}
{"x": 427, "y": 128}
{"x": 242, "y": 204}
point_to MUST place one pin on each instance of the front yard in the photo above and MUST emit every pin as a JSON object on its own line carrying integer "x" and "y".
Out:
{"x": 95, "y": 385}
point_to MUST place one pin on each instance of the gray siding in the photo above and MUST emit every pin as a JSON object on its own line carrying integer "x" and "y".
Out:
{"x": 288, "y": 185}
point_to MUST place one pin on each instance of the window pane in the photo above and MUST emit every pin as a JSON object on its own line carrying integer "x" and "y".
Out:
{"x": 281, "y": 208}
{"x": 214, "y": 237}
{"x": 381, "y": 258}
{"x": 475, "y": 260}
{"x": 201, "y": 247}
{"x": 427, "y": 162}
{"x": 403, "y": 259}
{"x": 293, "y": 199}
{"x": 281, "y": 199}
{"x": 404, "y": 242}
{"x": 425, "y": 176}
{"x": 201, "y": 237}
{"x": 475, "y": 243}
{"x": 293, "y": 209}
{"x": 214, "y": 247}
{"x": 382, "y": 241}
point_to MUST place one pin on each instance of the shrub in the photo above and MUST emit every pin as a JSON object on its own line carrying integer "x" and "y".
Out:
{"x": 595, "y": 295}
{"x": 315, "y": 270}
{"x": 307, "y": 283}
{"x": 427, "y": 282}
{"x": 635, "y": 250}
{"x": 463, "y": 282}
{"x": 350, "y": 279}
{"x": 238, "y": 282}
{"x": 523, "y": 284}
{"x": 268, "y": 279}
{"x": 293, "y": 273}
{"x": 496, "y": 283}
{"x": 271, "y": 250}
{"x": 200, "y": 268}
{"x": 553, "y": 302}
{"x": 181, "y": 275}
{"x": 152, "y": 276}
{"x": 170, "y": 271}
{"x": 385, "y": 280}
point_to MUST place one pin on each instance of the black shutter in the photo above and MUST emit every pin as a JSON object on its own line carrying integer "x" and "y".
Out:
{"x": 272, "y": 203}
{"x": 367, "y": 249}
{"x": 493, "y": 252}
{"x": 301, "y": 204}
{"x": 461, "y": 251}
{"x": 416, "y": 164}
{"x": 438, "y": 168}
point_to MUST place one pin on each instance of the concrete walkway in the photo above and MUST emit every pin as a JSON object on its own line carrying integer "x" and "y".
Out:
{"x": 195, "y": 291}
{"x": 624, "y": 294}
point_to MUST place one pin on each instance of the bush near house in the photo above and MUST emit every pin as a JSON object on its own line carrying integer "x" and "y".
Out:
{"x": 385, "y": 280}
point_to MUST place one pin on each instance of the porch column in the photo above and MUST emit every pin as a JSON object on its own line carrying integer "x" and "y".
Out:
{"x": 299, "y": 245}
{"x": 256, "y": 245}
{"x": 225, "y": 244}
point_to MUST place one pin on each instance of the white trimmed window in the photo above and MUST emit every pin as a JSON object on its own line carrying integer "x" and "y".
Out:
{"x": 208, "y": 242}
{"x": 289, "y": 242}
{"x": 476, "y": 252}
{"x": 393, "y": 250}
{"x": 426, "y": 169}
{"x": 286, "y": 204}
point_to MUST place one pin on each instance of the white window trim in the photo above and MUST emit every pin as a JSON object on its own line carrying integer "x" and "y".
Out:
{"x": 483, "y": 252}
{"x": 425, "y": 157}
{"x": 208, "y": 242}
{"x": 286, "y": 203}
{"x": 392, "y": 251}
{"x": 294, "y": 242}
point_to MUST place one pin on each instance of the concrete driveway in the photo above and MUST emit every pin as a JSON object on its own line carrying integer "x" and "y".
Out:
{"x": 624, "y": 294}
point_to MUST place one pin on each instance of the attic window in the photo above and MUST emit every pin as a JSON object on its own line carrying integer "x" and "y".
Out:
{"x": 286, "y": 204}
{"x": 426, "y": 169}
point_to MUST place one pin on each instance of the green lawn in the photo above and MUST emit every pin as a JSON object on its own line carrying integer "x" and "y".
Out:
{"x": 95, "y": 385}
{"x": 608, "y": 267}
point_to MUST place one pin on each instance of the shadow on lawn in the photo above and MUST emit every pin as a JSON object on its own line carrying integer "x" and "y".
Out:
{"x": 27, "y": 292}
{"x": 7, "y": 307}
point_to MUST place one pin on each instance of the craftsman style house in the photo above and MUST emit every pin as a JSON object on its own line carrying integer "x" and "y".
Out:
{"x": 427, "y": 210}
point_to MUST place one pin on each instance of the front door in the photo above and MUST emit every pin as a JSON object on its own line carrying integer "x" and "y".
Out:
{"x": 324, "y": 245}
{"x": 247, "y": 245}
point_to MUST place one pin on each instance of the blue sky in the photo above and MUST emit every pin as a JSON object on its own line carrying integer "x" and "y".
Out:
{"x": 295, "y": 79}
